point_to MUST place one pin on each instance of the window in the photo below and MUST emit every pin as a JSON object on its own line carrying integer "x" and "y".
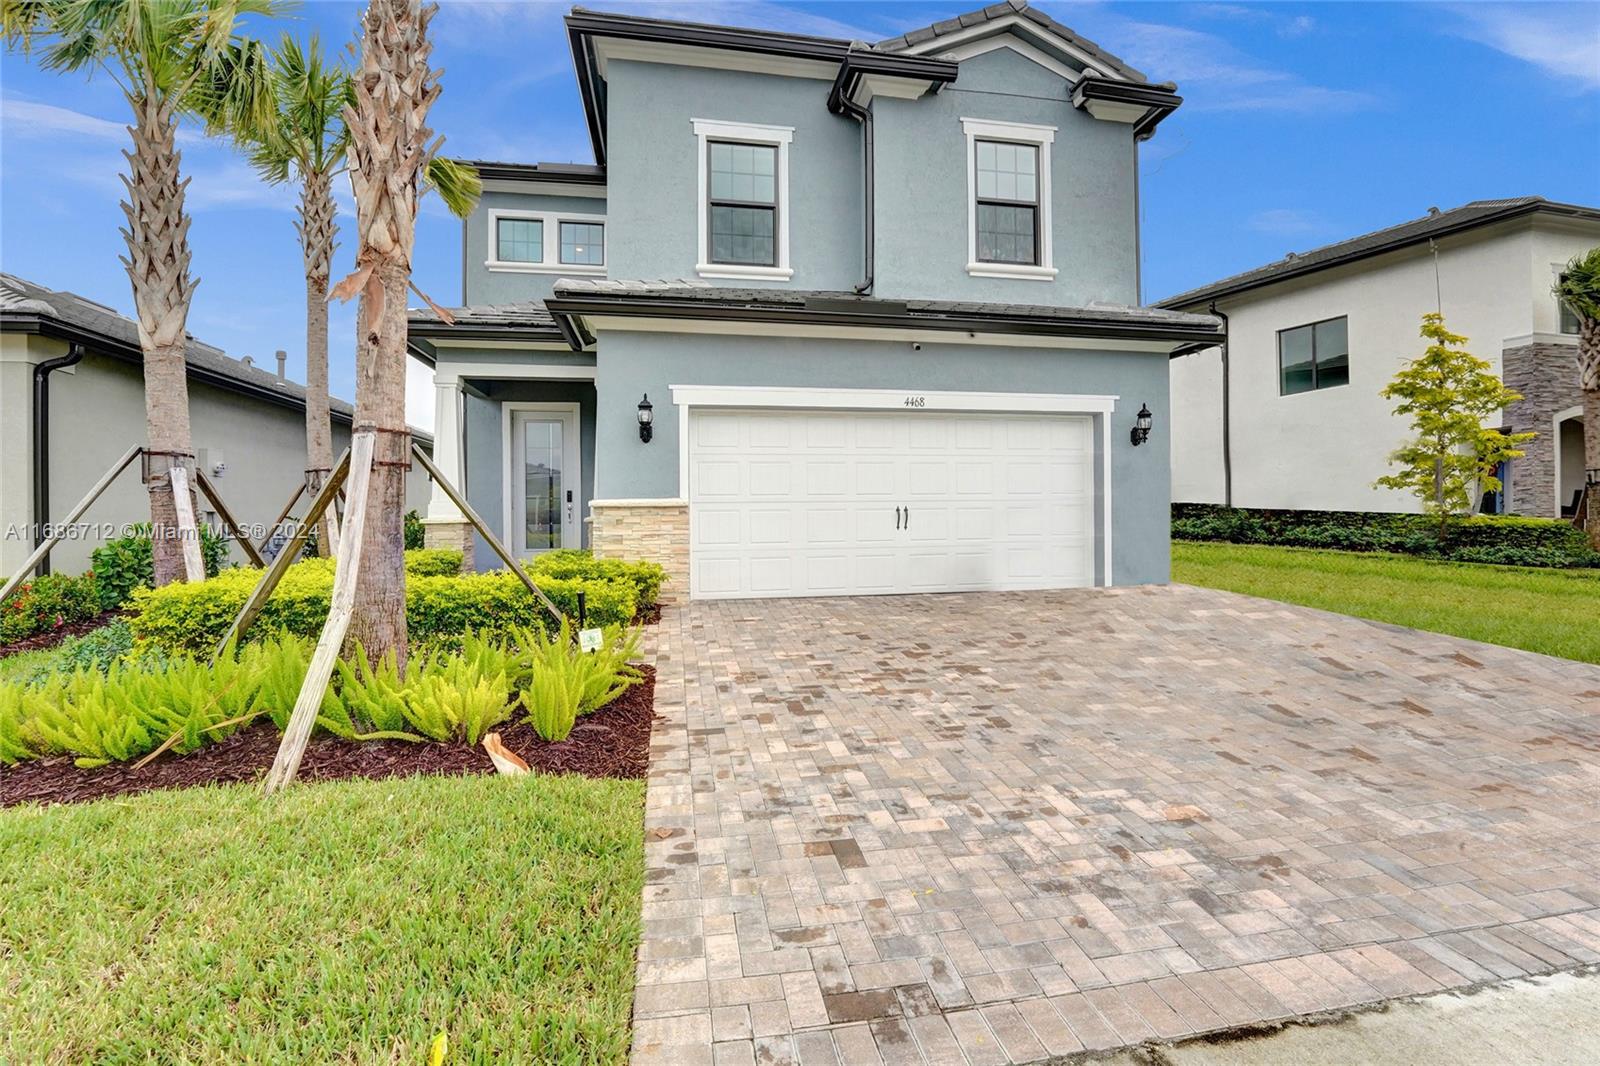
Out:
{"x": 546, "y": 242}
{"x": 1008, "y": 209}
{"x": 519, "y": 240}
{"x": 1008, "y": 202}
{"x": 583, "y": 243}
{"x": 743, "y": 203}
{"x": 744, "y": 191}
{"x": 1314, "y": 357}
{"x": 1567, "y": 318}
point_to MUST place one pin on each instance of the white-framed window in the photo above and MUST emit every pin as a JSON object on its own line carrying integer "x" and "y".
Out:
{"x": 743, "y": 200}
{"x": 1008, "y": 200}
{"x": 546, "y": 242}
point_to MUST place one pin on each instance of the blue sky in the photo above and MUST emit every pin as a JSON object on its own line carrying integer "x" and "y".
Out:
{"x": 1303, "y": 124}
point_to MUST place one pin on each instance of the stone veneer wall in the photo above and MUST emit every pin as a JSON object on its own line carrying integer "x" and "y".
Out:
{"x": 454, "y": 535}
{"x": 1547, "y": 377}
{"x": 656, "y": 530}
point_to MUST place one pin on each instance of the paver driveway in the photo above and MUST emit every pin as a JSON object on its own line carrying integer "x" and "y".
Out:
{"x": 992, "y": 828}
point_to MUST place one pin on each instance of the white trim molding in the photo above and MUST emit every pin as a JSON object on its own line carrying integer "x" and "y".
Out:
{"x": 452, "y": 371}
{"x": 1018, "y": 27}
{"x": 1040, "y": 137}
{"x": 550, "y": 263}
{"x": 706, "y": 130}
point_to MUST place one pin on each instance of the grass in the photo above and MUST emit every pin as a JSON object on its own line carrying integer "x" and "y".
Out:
{"x": 346, "y": 923}
{"x": 1556, "y": 612}
{"x": 28, "y": 663}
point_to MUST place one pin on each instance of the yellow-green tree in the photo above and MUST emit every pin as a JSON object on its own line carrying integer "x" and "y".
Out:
{"x": 1449, "y": 393}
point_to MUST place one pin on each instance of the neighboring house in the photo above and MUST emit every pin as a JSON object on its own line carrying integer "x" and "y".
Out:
{"x": 248, "y": 425}
{"x": 1314, "y": 337}
{"x": 883, "y": 301}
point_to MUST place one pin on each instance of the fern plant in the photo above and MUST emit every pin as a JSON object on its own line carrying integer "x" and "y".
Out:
{"x": 20, "y": 707}
{"x": 561, "y": 682}
{"x": 448, "y": 697}
{"x": 370, "y": 703}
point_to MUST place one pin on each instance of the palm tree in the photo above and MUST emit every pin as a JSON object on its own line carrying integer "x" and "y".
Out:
{"x": 393, "y": 158}
{"x": 305, "y": 138}
{"x": 170, "y": 58}
{"x": 1579, "y": 288}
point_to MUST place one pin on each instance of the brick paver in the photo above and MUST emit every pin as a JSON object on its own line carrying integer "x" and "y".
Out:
{"x": 988, "y": 828}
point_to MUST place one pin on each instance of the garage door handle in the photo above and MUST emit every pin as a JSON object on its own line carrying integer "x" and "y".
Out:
{"x": 897, "y": 518}
{"x": 908, "y": 518}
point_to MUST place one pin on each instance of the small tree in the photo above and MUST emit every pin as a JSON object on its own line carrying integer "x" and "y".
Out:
{"x": 1449, "y": 393}
{"x": 1579, "y": 288}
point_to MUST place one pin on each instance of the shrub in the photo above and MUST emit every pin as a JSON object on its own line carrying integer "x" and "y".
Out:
{"x": 124, "y": 564}
{"x": 562, "y": 682}
{"x": 644, "y": 577}
{"x": 1506, "y": 539}
{"x": 432, "y": 562}
{"x": 47, "y": 603}
{"x": 183, "y": 617}
{"x": 413, "y": 530}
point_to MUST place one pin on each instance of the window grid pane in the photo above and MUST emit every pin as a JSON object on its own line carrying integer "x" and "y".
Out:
{"x": 744, "y": 172}
{"x": 1296, "y": 360}
{"x": 1007, "y": 171}
{"x": 1005, "y": 233}
{"x": 743, "y": 235}
{"x": 1316, "y": 356}
{"x": 583, "y": 243}
{"x": 519, "y": 240}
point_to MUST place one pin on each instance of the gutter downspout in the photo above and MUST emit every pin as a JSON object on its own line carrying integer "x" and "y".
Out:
{"x": 863, "y": 115}
{"x": 41, "y": 443}
{"x": 1227, "y": 427}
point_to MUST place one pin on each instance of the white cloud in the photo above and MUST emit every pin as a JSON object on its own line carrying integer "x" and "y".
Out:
{"x": 1212, "y": 74}
{"x": 515, "y": 24}
{"x": 1563, "y": 40}
{"x": 1287, "y": 222}
{"x": 31, "y": 118}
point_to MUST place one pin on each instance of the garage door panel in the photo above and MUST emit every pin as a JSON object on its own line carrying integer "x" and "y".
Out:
{"x": 796, "y": 503}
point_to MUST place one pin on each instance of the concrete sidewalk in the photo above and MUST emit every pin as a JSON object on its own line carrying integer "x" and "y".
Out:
{"x": 1539, "y": 1021}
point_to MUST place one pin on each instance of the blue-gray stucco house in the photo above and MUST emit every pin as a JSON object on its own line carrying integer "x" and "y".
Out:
{"x": 823, "y": 317}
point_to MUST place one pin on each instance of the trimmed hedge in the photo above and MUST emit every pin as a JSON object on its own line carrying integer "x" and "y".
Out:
{"x": 47, "y": 603}
{"x": 1508, "y": 540}
{"x": 645, "y": 578}
{"x": 439, "y": 607}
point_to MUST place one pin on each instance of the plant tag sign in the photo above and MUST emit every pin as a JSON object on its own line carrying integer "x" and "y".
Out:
{"x": 591, "y": 639}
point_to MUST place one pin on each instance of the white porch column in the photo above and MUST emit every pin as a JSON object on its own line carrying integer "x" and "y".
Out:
{"x": 444, "y": 526}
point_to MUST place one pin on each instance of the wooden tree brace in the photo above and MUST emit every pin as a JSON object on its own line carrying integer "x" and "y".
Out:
{"x": 483, "y": 530}
{"x": 346, "y": 568}
{"x": 286, "y": 557}
{"x": 72, "y": 516}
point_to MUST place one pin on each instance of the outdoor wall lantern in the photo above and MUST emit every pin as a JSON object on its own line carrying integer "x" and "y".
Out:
{"x": 1141, "y": 426}
{"x": 646, "y": 417}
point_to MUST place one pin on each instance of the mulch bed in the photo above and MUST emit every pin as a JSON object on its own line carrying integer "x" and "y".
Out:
{"x": 50, "y": 639}
{"x": 612, "y": 742}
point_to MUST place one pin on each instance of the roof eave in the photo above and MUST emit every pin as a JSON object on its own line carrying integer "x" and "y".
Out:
{"x": 574, "y": 308}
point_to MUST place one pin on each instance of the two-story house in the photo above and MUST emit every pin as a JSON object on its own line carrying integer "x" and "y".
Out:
{"x": 1289, "y": 414}
{"x": 823, "y": 317}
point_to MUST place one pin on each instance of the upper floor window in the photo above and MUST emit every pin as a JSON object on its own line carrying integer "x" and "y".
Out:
{"x": 1567, "y": 317}
{"x": 583, "y": 243}
{"x": 1008, "y": 200}
{"x": 1316, "y": 356}
{"x": 743, "y": 206}
{"x": 546, "y": 242}
{"x": 519, "y": 240}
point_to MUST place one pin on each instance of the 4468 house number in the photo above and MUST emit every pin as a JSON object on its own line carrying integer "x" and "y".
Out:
{"x": 916, "y": 401}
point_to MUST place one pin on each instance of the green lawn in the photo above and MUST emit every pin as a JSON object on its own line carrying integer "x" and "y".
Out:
{"x": 344, "y": 923}
{"x": 1556, "y": 612}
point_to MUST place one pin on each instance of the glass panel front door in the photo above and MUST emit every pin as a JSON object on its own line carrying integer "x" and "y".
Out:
{"x": 543, "y": 481}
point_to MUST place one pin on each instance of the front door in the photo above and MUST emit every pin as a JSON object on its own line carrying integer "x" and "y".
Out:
{"x": 544, "y": 478}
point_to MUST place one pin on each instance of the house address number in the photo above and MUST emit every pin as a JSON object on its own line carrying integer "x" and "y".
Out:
{"x": 916, "y": 401}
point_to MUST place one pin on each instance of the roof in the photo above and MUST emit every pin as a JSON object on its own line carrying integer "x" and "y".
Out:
{"x": 565, "y": 173}
{"x": 900, "y": 56}
{"x": 1020, "y": 9}
{"x": 26, "y": 307}
{"x": 526, "y": 320}
{"x": 1431, "y": 226}
{"x": 575, "y": 298}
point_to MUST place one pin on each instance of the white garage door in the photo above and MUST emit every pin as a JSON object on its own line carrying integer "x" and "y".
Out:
{"x": 824, "y": 503}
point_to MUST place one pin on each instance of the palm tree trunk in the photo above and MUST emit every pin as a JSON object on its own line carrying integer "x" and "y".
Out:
{"x": 157, "y": 236}
{"x": 317, "y": 228}
{"x": 390, "y": 144}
